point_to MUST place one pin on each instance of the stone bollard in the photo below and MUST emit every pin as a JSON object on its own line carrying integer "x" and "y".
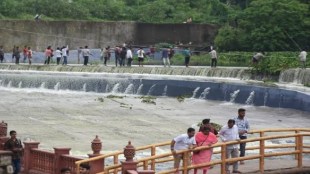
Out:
{"x": 129, "y": 153}
{"x": 3, "y": 129}
{"x": 58, "y": 163}
{"x": 28, "y": 159}
{"x": 98, "y": 165}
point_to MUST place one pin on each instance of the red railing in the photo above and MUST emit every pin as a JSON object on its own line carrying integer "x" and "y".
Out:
{"x": 69, "y": 162}
{"x": 42, "y": 161}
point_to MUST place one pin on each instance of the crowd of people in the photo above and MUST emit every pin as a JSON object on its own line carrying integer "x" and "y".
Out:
{"x": 124, "y": 55}
{"x": 235, "y": 130}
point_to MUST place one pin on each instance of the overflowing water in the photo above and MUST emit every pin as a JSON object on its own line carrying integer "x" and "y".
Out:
{"x": 195, "y": 92}
{"x": 250, "y": 99}
{"x": 129, "y": 89}
{"x": 20, "y": 84}
{"x": 165, "y": 91}
{"x": 205, "y": 92}
{"x": 139, "y": 89}
{"x": 57, "y": 86}
{"x": 115, "y": 88}
{"x": 233, "y": 96}
{"x": 151, "y": 89}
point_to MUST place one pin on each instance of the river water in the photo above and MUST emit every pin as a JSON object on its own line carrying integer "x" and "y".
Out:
{"x": 63, "y": 118}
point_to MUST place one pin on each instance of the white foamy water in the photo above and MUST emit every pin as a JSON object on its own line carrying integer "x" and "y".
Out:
{"x": 60, "y": 118}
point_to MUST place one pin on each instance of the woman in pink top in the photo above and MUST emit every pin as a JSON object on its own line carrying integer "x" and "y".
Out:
{"x": 204, "y": 138}
{"x": 48, "y": 55}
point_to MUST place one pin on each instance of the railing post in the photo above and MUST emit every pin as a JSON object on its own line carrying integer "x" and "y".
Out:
{"x": 58, "y": 163}
{"x": 185, "y": 162}
{"x": 262, "y": 153}
{"x": 296, "y": 143}
{"x": 223, "y": 158}
{"x": 153, "y": 153}
{"x": 27, "y": 161}
{"x": 129, "y": 164}
{"x": 300, "y": 148}
{"x": 115, "y": 162}
{"x": 97, "y": 165}
{"x": 3, "y": 134}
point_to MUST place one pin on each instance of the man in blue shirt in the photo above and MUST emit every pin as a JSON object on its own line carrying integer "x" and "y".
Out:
{"x": 243, "y": 128}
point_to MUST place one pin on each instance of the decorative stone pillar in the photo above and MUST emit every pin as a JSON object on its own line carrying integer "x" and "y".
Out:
{"x": 58, "y": 163}
{"x": 27, "y": 154}
{"x": 98, "y": 165}
{"x": 3, "y": 129}
{"x": 129, "y": 153}
{"x": 96, "y": 145}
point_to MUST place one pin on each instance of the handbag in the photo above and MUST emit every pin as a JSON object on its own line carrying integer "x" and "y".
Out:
{"x": 197, "y": 151}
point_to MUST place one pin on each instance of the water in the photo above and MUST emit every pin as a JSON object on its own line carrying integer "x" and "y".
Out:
{"x": 195, "y": 92}
{"x": 62, "y": 119}
{"x": 205, "y": 92}
{"x": 115, "y": 88}
{"x": 233, "y": 96}
{"x": 151, "y": 89}
{"x": 129, "y": 89}
{"x": 250, "y": 99}
{"x": 20, "y": 84}
{"x": 57, "y": 86}
{"x": 165, "y": 91}
{"x": 139, "y": 89}
{"x": 42, "y": 86}
{"x": 84, "y": 87}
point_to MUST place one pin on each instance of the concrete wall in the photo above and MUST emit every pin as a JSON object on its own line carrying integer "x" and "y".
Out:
{"x": 39, "y": 35}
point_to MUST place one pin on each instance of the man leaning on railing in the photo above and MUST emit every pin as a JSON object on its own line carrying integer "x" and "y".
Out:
{"x": 229, "y": 132}
{"x": 182, "y": 142}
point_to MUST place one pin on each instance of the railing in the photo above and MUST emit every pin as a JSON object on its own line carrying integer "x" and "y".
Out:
{"x": 150, "y": 162}
{"x": 69, "y": 161}
{"x": 43, "y": 161}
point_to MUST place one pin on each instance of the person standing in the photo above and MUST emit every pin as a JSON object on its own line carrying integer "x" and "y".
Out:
{"x": 64, "y": 52}
{"x": 213, "y": 55}
{"x": 171, "y": 54}
{"x": 117, "y": 53}
{"x": 25, "y": 53}
{"x": 257, "y": 57}
{"x": 58, "y": 55}
{"x": 129, "y": 57}
{"x": 29, "y": 55}
{"x": 204, "y": 138}
{"x": 141, "y": 54}
{"x": 243, "y": 128}
{"x": 86, "y": 54}
{"x": 107, "y": 55}
{"x": 15, "y": 145}
{"x": 303, "y": 59}
{"x": 48, "y": 55}
{"x": 123, "y": 56}
{"x": 165, "y": 57}
{"x": 17, "y": 55}
{"x": 187, "y": 55}
{"x": 228, "y": 133}
{"x": 79, "y": 54}
{"x": 182, "y": 142}
{"x": 206, "y": 123}
{"x": 1, "y": 54}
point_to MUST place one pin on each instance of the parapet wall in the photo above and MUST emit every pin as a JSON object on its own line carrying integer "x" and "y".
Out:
{"x": 40, "y": 34}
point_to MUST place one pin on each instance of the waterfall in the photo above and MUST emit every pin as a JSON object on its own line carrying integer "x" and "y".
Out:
{"x": 115, "y": 88}
{"x": 42, "y": 85}
{"x": 84, "y": 87}
{"x": 165, "y": 91}
{"x": 139, "y": 89}
{"x": 129, "y": 89}
{"x": 151, "y": 89}
{"x": 20, "y": 84}
{"x": 195, "y": 92}
{"x": 56, "y": 87}
{"x": 205, "y": 92}
{"x": 233, "y": 96}
{"x": 265, "y": 98}
{"x": 1, "y": 83}
{"x": 107, "y": 88}
{"x": 250, "y": 99}
{"x": 9, "y": 84}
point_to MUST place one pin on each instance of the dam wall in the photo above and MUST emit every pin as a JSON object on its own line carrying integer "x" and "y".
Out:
{"x": 39, "y": 35}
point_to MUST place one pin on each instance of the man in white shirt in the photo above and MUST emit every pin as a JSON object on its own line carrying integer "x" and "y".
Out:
{"x": 140, "y": 53}
{"x": 129, "y": 57}
{"x": 86, "y": 54}
{"x": 64, "y": 54}
{"x": 182, "y": 142}
{"x": 303, "y": 58}
{"x": 229, "y": 132}
{"x": 213, "y": 58}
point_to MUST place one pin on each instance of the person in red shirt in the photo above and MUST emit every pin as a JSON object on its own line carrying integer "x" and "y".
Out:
{"x": 48, "y": 55}
{"x": 25, "y": 53}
